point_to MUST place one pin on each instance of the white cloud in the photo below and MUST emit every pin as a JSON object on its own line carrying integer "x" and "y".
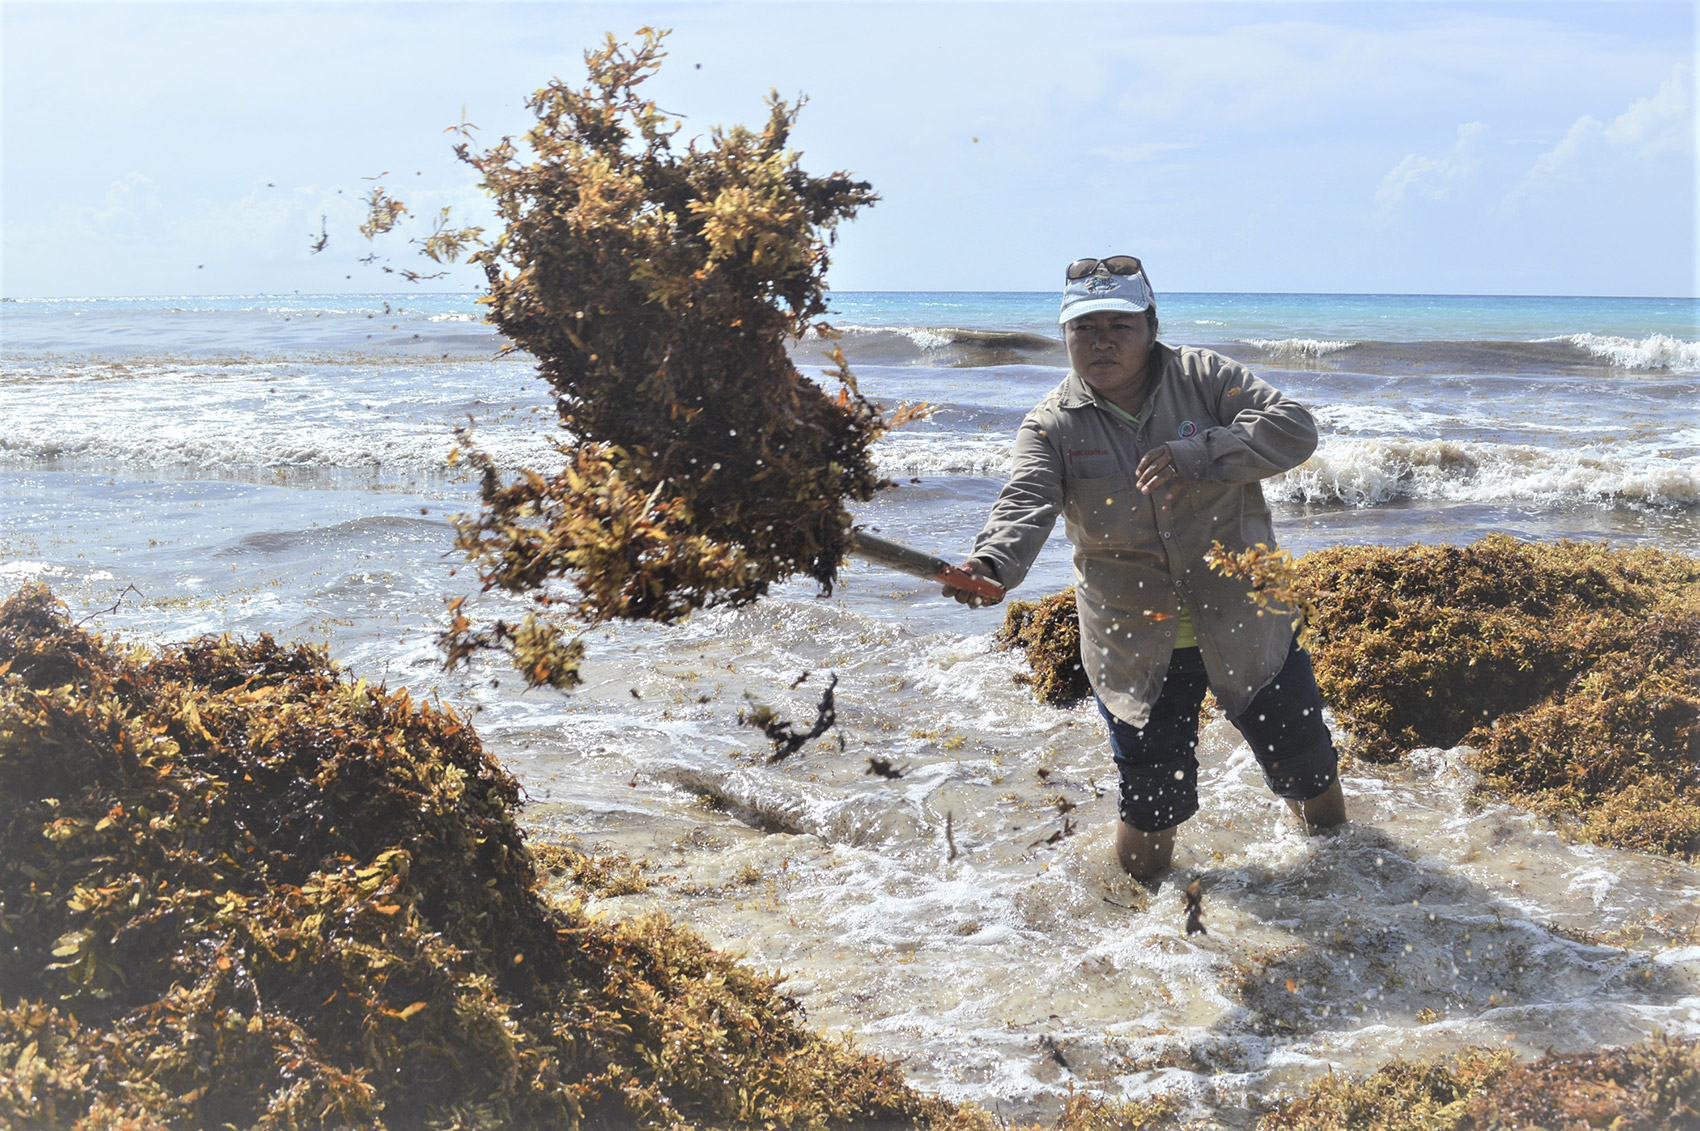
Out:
{"x": 129, "y": 208}
{"x": 1434, "y": 177}
{"x": 1653, "y": 126}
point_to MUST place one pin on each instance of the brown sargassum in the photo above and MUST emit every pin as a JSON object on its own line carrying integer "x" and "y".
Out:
{"x": 238, "y": 888}
{"x": 1653, "y": 1086}
{"x": 1047, "y": 631}
{"x": 1572, "y": 670}
{"x": 658, "y": 285}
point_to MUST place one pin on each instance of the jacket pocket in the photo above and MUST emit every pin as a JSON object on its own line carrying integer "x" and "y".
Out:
{"x": 1101, "y": 512}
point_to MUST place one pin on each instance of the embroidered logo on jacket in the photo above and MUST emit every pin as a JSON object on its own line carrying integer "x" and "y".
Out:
{"x": 1188, "y": 429}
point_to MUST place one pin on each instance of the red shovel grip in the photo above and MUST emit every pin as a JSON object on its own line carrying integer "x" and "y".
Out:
{"x": 962, "y": 579}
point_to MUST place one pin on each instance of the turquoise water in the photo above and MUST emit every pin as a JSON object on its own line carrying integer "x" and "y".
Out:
{"x": 1229, "y": 317}
{"x": 246, "y": 321}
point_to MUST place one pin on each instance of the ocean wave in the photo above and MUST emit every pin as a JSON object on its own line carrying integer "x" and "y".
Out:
{"x": 1298, "y": 347}
{"x": 1363, "y": 473}
{"x": 941, "y": 346}
{"x": 901, "y": 454}
{"x": 1368, "y": 472}
{"x": 218, "y": 449}
{"x": 262, "y": 421}
{"x": 947, "y": 347}
{"x": 27, "y": 571}
{"x": 1564, "y": 355}
{"x": 1656, "y": 351}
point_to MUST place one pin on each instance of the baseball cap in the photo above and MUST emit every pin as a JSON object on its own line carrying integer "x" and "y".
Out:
{"x": 1104, "y": 291}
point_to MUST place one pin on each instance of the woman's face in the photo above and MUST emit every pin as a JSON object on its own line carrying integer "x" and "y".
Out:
{"x": 1109, "y": 350}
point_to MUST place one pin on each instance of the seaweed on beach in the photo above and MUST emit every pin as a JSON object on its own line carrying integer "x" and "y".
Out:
{"x": 1085, "y": 1112}
{"x": 1427, "y": 645}
{"x": 1617, "y": 749}
{"x": 240, "y": 888}
{"x": 658, "y": 285}
{"x": 1572, "y": 669}
{"x": 1653, "y": 1086}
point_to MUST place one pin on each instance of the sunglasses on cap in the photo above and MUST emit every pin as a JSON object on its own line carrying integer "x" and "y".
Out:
{"x": 1115, "y": 265}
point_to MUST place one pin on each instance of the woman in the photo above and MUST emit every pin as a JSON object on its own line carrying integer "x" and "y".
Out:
{"x": 1152, "y": 454}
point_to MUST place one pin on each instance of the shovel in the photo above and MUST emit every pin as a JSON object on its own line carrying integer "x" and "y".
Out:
{"x": 917, "y": 564}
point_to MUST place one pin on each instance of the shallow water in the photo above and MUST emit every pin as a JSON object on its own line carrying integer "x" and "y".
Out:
{"x": 261, "y": 466}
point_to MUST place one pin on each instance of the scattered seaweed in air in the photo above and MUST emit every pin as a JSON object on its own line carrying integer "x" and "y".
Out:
{"x": 786, "y": 738}
{"x": 383, "y": 212}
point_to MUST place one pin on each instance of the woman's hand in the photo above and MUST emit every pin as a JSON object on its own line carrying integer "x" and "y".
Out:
{"x": 973, "y": 600}
{"x": 1156, "y": 470}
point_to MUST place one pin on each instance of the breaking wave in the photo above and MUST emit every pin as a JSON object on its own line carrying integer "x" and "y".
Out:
{"x": 940, "y": 346}
{"x": 1570, "y": 353}
{"x": 1361, "y": 473}
{"x": 1297, "y": 347}
{"x": 1656, "y": 351}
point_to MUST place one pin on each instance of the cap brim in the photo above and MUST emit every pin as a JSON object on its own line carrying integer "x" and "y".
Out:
{"x": 1094, "y": 305}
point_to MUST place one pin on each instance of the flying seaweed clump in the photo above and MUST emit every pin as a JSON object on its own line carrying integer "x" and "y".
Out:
{"x": 659, "y": 286}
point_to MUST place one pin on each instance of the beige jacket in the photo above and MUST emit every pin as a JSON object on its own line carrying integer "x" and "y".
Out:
{"x": 1137, "y": 557}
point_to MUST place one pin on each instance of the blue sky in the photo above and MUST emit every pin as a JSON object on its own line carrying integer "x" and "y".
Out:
{"x": 1506, "y": 148}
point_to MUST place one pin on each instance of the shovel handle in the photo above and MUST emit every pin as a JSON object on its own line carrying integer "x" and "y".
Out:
{"x": 896, "y": 556}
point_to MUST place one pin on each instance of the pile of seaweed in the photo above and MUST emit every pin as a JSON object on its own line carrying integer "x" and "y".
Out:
{"x": 1572, "y": 669}
{"x": 1653, "y": 1086}
{"x": 240, "y": 889}
{"x": 658, "y": 286}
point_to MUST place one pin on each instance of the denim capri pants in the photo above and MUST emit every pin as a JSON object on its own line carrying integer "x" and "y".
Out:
{"x": 1283, "y": 725}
